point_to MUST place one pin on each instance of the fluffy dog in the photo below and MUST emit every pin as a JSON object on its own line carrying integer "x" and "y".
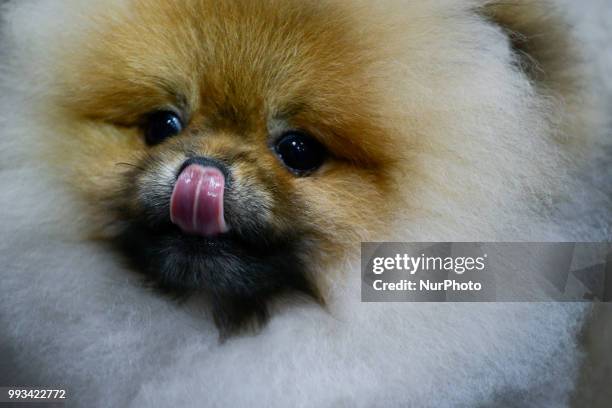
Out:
{"x": 235, "y": 153}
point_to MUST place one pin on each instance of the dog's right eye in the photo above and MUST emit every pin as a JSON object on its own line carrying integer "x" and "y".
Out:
{"x": 159, "y": 126}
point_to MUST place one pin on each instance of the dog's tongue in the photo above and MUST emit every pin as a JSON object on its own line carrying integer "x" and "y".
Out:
{"x": 196, "y": 205}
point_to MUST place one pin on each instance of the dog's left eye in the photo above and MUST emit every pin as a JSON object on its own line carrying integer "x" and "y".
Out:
{"x": 159, "y": 126}
{"x": 300, "y": 152}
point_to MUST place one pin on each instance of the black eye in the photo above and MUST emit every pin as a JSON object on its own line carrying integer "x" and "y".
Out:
{"x": 300, "y": 152}
{"x": 162, "y": 125}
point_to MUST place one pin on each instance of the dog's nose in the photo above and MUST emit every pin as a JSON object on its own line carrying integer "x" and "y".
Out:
{"x": 205, "y": 162}
{"x": 196, "y": 205}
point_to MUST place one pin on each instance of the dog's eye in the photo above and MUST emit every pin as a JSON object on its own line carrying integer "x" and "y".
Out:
{"x": 161, "y": 125}
{"x": 300, "y": 152}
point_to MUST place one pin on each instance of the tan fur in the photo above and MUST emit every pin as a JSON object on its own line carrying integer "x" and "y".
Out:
{"x": 309, "y": 69}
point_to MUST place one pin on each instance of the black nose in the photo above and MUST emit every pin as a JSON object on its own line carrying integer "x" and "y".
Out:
{"x": 206, "y": 162}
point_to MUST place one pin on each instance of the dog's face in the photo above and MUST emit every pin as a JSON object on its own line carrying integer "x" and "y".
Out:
{"x": 236, "y": 148}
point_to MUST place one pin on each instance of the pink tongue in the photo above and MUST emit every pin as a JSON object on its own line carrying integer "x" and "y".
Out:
{"x": 196, "y": 205}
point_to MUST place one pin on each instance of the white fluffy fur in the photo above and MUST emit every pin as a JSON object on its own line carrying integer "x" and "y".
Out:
{"x": 71, "y": 315}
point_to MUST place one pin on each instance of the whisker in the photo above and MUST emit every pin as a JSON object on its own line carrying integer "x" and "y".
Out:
{"x": 130, "y": 165}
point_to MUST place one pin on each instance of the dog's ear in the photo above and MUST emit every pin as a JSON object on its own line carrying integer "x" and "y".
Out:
{"x": 540, "y": 37}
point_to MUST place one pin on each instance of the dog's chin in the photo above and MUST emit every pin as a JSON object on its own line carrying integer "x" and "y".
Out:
{"x": 239, "y": 274}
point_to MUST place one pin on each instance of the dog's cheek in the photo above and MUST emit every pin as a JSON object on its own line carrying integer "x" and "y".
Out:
{"x": 94, "y": 160}
{"x": 345, "y": 207}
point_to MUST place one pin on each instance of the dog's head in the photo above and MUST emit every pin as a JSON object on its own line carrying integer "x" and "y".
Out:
{"x": 236, "y": 147}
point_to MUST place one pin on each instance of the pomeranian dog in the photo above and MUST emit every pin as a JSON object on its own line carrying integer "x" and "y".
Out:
{"x": 235, "y": 153}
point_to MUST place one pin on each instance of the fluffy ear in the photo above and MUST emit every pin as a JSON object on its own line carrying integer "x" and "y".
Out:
{"x": 541, "y": 39}
{"x": 546, "y": 50}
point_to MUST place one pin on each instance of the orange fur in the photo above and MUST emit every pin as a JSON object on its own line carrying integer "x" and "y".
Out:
{"x": 235, "y": 69}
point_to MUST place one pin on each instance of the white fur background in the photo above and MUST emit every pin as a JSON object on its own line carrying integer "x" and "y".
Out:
{"x": 71, "y": 316}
